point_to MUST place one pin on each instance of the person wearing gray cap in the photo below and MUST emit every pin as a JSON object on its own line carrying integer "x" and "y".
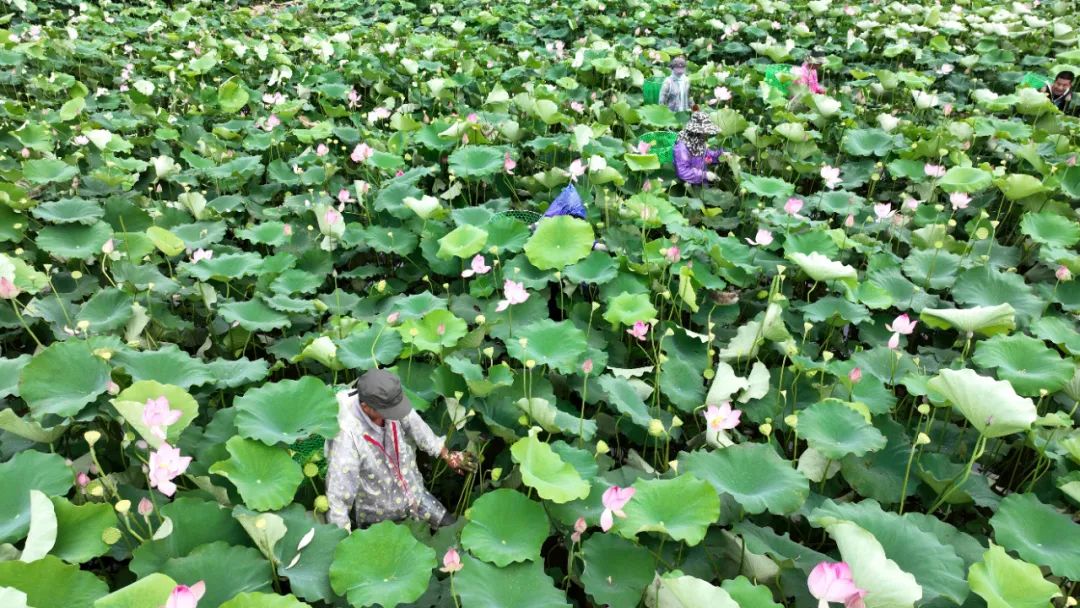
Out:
{"x": 372, "y": 467}
{"x": 675, "y": 92}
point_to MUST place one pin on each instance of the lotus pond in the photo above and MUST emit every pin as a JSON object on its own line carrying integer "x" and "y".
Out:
{"x": 858, "y": 346}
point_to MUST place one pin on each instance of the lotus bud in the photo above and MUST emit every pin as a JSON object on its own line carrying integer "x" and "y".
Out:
{"x": 807, "y": 326}
{"x": 320, "y": 306}
{"x": 656, "y": 428}
{"x": 123, "y": 507}
{"x": 792, "y": 420}
{"x": 496, "y": 474}
{"x": 922, "y": 439}
{"x": 145, "y": 507}
{"x": 91, "y": 437}
{"x": 765, "y": 429}
{"x": 827, "y": 355}
{"x": 446, "y": 286}
{"x": 480, "y": 319}
{"x": 602, "y": 447}
{"x": 322, "y": 504}
{"x": 663, "y": 358}
{"x": 381, "y": 286}
{"x": 924, "y": 409}
{"x": 762, "y": 294}
{"x": 676, "y": 422}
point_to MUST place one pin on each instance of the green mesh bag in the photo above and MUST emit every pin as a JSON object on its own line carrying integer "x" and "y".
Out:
{"x": 310, "y": 450}
{"x": 650, "y": 90}
{"x": 663, "y": 144}
{"x": 526, "y": 217}
{"x": 772, "y": 76}
{"x": 1035, "y": 81}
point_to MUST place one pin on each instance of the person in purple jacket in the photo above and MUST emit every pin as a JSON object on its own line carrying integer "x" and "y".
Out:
{"x": 692, "y": 155}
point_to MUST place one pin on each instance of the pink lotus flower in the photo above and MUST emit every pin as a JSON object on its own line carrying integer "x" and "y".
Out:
{"x": 910, "y": 204}
{"x": 451, "y": 561}
{"x": 1062, "y": 273}
{"x": 647, "y": 186}
{"x": 933, "y": 170}
{"x": 643, "y": 147}
{"x": 286, "y": 230}
{"x": 1071, "y": 161}
{"x": 946, "y": 68}
{"x": 947, "y": 109}
{"x": 807, "y": 76}
{"x": 587, "y": 366}
{"x": 900, "y": 325}
{"x": 479, "y": 267}
{"x": 186, "y": 597}
{"x": 354, "y": 98}
{"x": 763, "y": 238}
{"x": 112, "y": 388}
{"x": 322, "y": 150}
{"x": 833, "y": 583}
{"x": 201, "y": 254}
{"x": 361, "y": 153}
{"x": 614, "y": 499}
{"x": 639, "y": 330}
{"x": 272, "y": 99}
{"x": 509, "y": 164}
{"x": 515, "y": 294}
{"x": 722, "y": 93}
{"x": 108, "y": 247}
{"x": 883, "y": 211}
{"x": 793, "y": 206}
{"x": 959, "y": 200}
{"x": 332, "y": 217}
{"x": 855, "y": 375}
{"x": 441, "y": 329}
{"x": 831, "y": 175}
{"x": 392, "y": 318}
{"x": 8, "y": 290}
{"x": 363, "y": 187}
{"x": 399, "y": 173}
{"x": 722, "y": 418}
{"x": 377, "y": 114}
{"x": 82, "y": 479}
{"x": 849, "y": 221}
{"x": 343, "y": 196}
{"x": 25, "y": 152}
{"x": 672, "y": 254}
{"x": 272, "y": 121}
{"x": 165, "y": 465}
{"x": 579, "y": 528}
{"x": 577, "y": 169}
{"x": 577, "y": 106}
{"x": 850, "y": 11}
{"x": 145, "y": 507}
{"x": 157, "y": 415}
{"x": 81, "y": 140}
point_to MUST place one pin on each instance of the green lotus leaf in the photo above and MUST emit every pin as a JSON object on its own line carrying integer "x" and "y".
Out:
{"x": 106, "y": 311}
{"x": 287, "y": 411}
{"x": 69, "y": 211}
{"x": 832, "y": 307}
{"x": 868, "y": 142}
{"x": 543, "y": 470}
{"x": 231, "y": 373}
{"x": 48, "y": 170}
{"x": 682, "y": 508}
{"x": 79, "y": 530}
{"x": 836, "y": 430}
{"x": 297, "y": 281}
{"x": 749, "y": 595}
{"x": 629, "y": 308}
{"x": 232, "y": 95}
{"x": 642, "y": 162}
{"x": 254, "y": 315}
{"x": 597, "y": 268}
{"x": 308, "y": 576}
{"x": 885, "y": 583}
{"x": 264, "y": 600}
{"x": 552, "y": 419}
{"x": 1050, "y": 229}
{"x": 559, "y": 345}
{"x": 658, "y": 116}
{"x": 226, "y": 571}
{"x": 62, "y": 379}
{"x": 1025, "y": 362}
{"x": 965, "y": 179}
{"x": 50, "y": 583}
{"x": 195, "y": 523}
{"x": 792, "y": 131}
{"x": 984, "y": 286}
{"x": 1070, "y": 182}
{"x": 152, "y": 590}
{"x": 507, "y": 233}
{"x": 674, "y": 590}
{"x": 1006, "y": 582}
{"x": 370, "y": 348}
{"x": 991, "y": 406}
{"x": 131, "y": 402}
{"x": 986, "y": 320}
{"x": 767, "y": 187}
{"x": 166, "y": 242}
{"x": 559, "y": 242}
{"x": 617, "y": 571}
{"x": 168, "y": 365}
{"x": 266, "y": 233}
{"x": 74, "y": 240}
{"x": 1039, "y": 533}
{"x": 505, "y": 527}
{"x": 1060, "y": 331}
{"x": 225, "y": 266}
{"x": 436, "y": 331}
{"x": 481, "y": 585}
{"x": 753, "y": 474}
{"x": 28, "y": 429}
{"x": 821, "y": 268}
{"x": 1018, "y": 185}
{"x": 266, "y": 477}
{"x": 625, "y": 400}
{"x": 477, "y": 161}
{"x": 934, "y": 269}
{"x": 382, "y": 565}
{"x": 463, "y": 242}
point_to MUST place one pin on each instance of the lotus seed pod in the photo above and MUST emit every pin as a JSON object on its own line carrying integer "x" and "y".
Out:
{"x": 311, "y": 469}
{"x": 922, "y": 439}
{"x": 924, "y": 409}
{"x": 111, "y": 536}
{"x": 322, "y": 504}
{"x": 91, "y": 437}
{"x": 656, "y": 428}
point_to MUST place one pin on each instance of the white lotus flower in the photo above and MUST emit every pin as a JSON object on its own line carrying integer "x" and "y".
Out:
{"x": 924, "y": 100}
{"x": 887, "y": 122}
{"x": 423, "y": 207}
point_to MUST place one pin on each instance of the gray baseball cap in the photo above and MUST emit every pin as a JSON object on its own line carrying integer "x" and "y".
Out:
{"x": 382, "y": 391}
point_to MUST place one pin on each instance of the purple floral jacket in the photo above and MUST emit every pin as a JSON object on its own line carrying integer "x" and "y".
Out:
{"x": 692, "y": 169}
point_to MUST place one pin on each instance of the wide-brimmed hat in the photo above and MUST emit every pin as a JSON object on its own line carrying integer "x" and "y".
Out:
{"x": 382, "y": 391}
{"x": 701, "y": 125}
{"x": 678, "y": 62}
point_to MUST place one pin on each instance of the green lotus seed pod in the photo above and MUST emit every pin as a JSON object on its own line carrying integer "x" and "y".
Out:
{"x": 111, "y": 536}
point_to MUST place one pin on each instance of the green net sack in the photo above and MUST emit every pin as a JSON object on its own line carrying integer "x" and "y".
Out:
{"x": 772, "y": 76}
{"x": 527, "y": 217}
{"x": 310, "y": 450}
{"x": 663, "y": 144}
{"x": 650, "y": 91}
{"x": 1035, "y": 81}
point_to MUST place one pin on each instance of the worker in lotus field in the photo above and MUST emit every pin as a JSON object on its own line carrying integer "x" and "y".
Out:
{"x": 675, "y": 92}
{"x": 692, "y": 156}
{"x": 372, "y": 472}
{"x": 1060, "y": 90}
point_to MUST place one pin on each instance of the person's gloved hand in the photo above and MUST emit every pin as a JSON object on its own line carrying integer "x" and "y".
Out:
{"x": 461, "y": 462}
{"x": 709, "y": 175}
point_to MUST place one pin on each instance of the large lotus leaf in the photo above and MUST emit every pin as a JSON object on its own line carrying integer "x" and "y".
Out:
{"x": 753, "y": 474}
{"x": 477, "y": 161}
{"x": 1039, "y": 533}
{"x": 225, "y": 266}
{"x": 767, "y": 187}
{"x": 69, "y": 211}
{"x": 629, "y": 308}
{"x": 991, "y": 406}
{"x": 1025, "y": 362}
{"x": 195, "y": 523}
{"x": 264, "y": 600}
{"x": 933, "y": 269}
{"x": 836, "y": 430}
{"x": 934, "y": 564}
{"x": 383, "y": 565}
{"x": 617, "y": 571}
{"x": 821, "y": 268}
{"x": 507, "y": 233}
{"x": 28, "y": 429}
{"x": 1050, "y": 229}
{"x": 253, "y": 315}
{"x": 985, "y": 286}
{"x": 675, "y": 590}
{"x": 868, "y": 142}
{"x": 599, "y": 268}
{"x": 231, "y": 373}
{"x": 749, "y": 595}
{"x": 683, "y": 508}
{"x": 658, "y": 116}
{"x": 370, "y": 348}
{"x": 886, "y": 584}
{"x": 465, "y": 241}
{"x": 1019, "y": 185}
{"x": 149, "y": 591}
{"x": 1005, "y": 582}
{"x": 287, "y": 411}
{"x": 132, "y": 401}
{"x": 559, "y": 345}
{"x": 559, "y": 242}
{"x": 879, "y": 475}
{"x": 168, "y": 365}
{"x": 437, "y": 330}
{"x": 965, "y": 179}
{"x": 232, "y": 95}
{"x": 62, "y": 379}
{"x": 26, "y": 471}
{"x": 50, "y": 583}
{"x": 543, "y": 470}
{"x": 266, "y": 477}
{"x": 166, "y": 242}
{"x": 551, "y": 418}
{"x": 226, "y": 571}
{"x": 986, "y": 320}
{"x": 46, "y": 170}
{"x": 481, "y": 585}
{"x": 505, "y": 527}
{"x": 106, "y": 311}
{"x": 308, "y": 576}
{"x": 79, "y": 530}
